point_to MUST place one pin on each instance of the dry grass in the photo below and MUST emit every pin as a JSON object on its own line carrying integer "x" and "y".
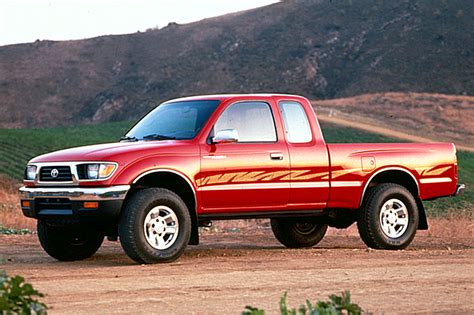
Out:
{"x": 10, "y": 212}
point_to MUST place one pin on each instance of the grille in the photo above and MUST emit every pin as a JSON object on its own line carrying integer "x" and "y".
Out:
{"x": 52, "y": 204}
{"x": 64, "y": 174}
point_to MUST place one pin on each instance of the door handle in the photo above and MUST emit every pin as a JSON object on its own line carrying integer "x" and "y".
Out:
{"x": 276, "y": 156}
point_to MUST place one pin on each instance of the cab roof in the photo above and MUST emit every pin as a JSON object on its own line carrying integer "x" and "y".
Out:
{"x": 225, "y": 97}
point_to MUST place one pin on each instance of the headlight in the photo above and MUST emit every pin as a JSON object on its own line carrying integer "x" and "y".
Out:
{"x": 99, "y": 171}
{"x": 30, "y": 172}
{"x": 93, "y": 171}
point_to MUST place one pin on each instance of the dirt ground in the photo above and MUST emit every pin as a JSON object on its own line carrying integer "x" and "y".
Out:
{"x": 240, "y": 263}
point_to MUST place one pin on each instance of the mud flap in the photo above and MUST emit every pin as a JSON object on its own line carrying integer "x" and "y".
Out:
{"x": 422, "y": 221}
{"x": 194, "y": 239}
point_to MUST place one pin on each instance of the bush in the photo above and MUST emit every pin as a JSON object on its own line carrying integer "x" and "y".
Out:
{"x": 11, "y": 231}
{"x": 335, "y": 306}
{"x": 18, "y": 296}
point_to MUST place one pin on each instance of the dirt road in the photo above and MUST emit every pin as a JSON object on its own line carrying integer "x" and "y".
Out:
{"x": 246, "y": 266}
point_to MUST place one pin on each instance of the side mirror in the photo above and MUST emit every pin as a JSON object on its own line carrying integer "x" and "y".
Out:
{"x": 226, "y": 136}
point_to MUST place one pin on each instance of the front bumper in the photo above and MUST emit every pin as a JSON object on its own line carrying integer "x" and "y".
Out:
{"x": 69, "y": 202}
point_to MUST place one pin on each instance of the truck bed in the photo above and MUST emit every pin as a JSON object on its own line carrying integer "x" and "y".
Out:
{"x": 432, "y": 166}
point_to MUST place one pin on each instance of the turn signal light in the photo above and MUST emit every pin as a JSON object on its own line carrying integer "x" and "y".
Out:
{"x": 91, "y": 205}
{"x": 106, "y": 170}
{"x": 25, "y": 203}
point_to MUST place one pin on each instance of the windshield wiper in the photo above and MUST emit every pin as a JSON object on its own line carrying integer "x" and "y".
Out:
{"x": 158, "y": 137}
{"x": 127, "y": 138}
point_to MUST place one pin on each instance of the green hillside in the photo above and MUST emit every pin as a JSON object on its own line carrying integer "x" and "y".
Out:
{"x": 17, "y": 146}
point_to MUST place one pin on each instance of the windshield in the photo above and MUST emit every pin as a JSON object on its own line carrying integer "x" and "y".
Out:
{"x": 178, "y": 120}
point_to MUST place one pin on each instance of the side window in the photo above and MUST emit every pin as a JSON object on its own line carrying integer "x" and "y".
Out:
{"x": 296, "y": 122}
{"x": 252, "y": 120}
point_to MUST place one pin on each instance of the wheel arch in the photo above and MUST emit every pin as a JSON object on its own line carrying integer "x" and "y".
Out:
{"x": 402, "y": 177}
{"x": 177, "y": 183}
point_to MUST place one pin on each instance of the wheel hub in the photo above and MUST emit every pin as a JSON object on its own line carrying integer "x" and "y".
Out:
{"x": 391, "y": 218}
{"x": 161, "y": 227}
{"x": 305, "y": 227}
{"x": 394, "y": 218}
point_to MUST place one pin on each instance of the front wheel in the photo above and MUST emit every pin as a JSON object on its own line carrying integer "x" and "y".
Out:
{"x": 155, "y": 226}
{"x": 388, "y": 218}
{"x": 68, "y": 243}
{"x": 298, "y": 233}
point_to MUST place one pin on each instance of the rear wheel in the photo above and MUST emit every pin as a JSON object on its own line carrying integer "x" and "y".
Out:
{"x": 68, "y": 243}
{"x": 388, "y": 218}
{"x": 298, "y": 233}
{"x": 155, "y": 226}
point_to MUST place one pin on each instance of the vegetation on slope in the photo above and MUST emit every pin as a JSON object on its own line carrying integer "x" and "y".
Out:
{"x": 320, "y": 49}
{"x": 17, "y": 146}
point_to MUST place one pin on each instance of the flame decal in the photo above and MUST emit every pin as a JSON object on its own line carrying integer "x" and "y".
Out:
{"x": 261, "y": 176}
{"x": 433, "y": 171}
{"x": 339, "y": 173}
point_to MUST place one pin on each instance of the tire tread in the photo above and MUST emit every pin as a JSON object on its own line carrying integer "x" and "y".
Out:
{"x": 129, "y": 235}
{"x": 286, "y": 234}
{"x": 52, "y": 240}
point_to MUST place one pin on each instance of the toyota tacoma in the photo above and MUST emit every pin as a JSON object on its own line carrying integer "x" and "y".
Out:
{"x": 196, "y": 159}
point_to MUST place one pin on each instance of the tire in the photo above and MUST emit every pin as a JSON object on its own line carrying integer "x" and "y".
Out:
{"x": 69, "y": 243}
{"x": 388, "y": 218}
{"x": 155, "y": 226}
{"x": 298, "y": 233}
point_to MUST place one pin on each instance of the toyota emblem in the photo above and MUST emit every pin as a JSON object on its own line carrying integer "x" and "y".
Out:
{"x": 54, "y": 173}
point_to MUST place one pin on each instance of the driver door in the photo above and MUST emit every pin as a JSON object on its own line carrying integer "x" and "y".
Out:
{"x": 248, "y": 174}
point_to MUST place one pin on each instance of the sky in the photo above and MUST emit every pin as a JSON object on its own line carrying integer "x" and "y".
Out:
{"x": 23, "y": 21}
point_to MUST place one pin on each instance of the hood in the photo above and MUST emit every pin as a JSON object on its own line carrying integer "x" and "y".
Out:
{"x": 114, "y": 152}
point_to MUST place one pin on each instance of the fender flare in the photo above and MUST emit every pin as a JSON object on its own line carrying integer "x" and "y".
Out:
{"x": 423, "y": 222}
{"x": 194, "y": 240}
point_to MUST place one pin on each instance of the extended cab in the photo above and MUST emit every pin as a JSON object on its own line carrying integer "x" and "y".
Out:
{"x": 197, "y": 159}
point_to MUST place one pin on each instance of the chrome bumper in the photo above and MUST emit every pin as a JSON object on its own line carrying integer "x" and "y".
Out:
{"x": 460, "y": 190}
{"x": 76, "y": 193}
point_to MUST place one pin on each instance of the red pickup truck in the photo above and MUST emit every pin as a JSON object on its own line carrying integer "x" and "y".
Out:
{"x": 196, "y": 159}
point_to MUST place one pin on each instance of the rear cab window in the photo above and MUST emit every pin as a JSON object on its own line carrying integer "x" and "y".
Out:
{"x": 296, "y": 123}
